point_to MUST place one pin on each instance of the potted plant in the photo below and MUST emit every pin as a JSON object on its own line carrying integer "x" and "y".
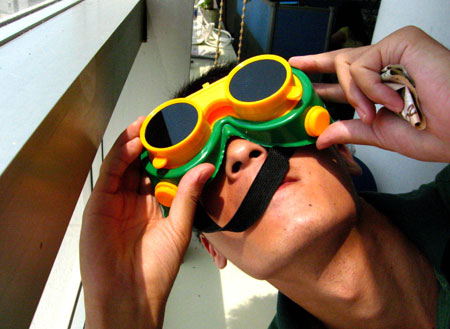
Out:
{"x": 210, "y": 13}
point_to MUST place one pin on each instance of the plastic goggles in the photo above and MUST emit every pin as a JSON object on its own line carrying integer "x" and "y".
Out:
{"x": 262, "y": 100}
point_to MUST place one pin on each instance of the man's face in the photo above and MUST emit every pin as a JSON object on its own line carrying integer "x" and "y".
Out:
{"x": 314, "y": 203}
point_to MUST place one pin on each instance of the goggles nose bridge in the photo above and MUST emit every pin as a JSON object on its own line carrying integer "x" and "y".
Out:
{"x": 212, "y": 101}
{"x": 218, "y": 110}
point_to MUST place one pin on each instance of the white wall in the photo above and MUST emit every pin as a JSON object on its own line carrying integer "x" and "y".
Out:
{"x": 432, "y": 16}
{"x": 161, "y": 66}
{"x": 395, "y": 173}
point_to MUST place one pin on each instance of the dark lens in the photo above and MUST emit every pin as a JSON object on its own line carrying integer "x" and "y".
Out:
{"x": 171, "y": 125}
{"x": 257, "y": 80}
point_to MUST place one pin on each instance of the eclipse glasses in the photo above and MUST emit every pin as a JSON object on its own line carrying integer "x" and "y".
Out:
{"x": 262, "y": 100}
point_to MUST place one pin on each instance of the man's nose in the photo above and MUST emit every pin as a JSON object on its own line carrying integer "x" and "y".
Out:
{"x": 242, "y": 155}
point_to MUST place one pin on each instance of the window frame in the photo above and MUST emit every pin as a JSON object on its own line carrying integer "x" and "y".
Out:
{"x": 13, "y": 26}
{"x": 60, "y": 82}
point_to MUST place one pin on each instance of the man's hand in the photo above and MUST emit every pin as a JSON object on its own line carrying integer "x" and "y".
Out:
{"x": 129, "y": 254}
{"x": 358, "y": 70}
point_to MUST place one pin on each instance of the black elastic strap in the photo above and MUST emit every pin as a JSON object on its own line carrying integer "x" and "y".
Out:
{"x": 258, "y": 196}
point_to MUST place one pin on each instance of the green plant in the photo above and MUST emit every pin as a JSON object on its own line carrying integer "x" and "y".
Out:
{"x": 206, "y": 4}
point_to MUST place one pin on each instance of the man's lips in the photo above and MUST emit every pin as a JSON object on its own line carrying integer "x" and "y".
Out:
{"x": 285, "y": 182}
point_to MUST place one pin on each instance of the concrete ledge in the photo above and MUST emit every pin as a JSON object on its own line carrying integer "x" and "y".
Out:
{"x": 60, "y": 83}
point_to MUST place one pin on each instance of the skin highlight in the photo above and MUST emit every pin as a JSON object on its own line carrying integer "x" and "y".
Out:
{"x": 362, "y": 271}
{"x": 320, "y": 244}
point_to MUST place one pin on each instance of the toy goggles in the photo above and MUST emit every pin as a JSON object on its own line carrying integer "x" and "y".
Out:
{"x": 262, "y": 100}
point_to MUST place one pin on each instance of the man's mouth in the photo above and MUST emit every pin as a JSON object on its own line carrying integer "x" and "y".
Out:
{"x": 286, "y": 182}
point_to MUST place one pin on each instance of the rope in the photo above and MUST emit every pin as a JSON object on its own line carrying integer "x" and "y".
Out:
{"x": 241, "y": 33}
{"x": 219, "y": 32}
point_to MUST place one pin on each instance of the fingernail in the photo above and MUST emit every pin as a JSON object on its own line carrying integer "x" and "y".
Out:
{"x": 361, "y": 113}
{"x": 204, "y": 176}
{"x": 395, "y": 107}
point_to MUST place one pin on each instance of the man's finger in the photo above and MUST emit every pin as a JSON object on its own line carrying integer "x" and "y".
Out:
{"x": 131, "y": 179}
{"x": 347, "y": 132}
{"x": 331, "y": 92}
{"x": 321, "y": 63}
{"x": 124, "y": 151}
{"x": 189, "y": 191}
{"x": 146, "y": 185}
{"x": 388, "y": 132}
{"x": 366, "y": 74}
{"x": 353, "y": 94}
{"x": 132, "y": 131}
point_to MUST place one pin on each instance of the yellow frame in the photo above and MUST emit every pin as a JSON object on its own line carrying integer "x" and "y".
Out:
{"x": 213, "y": 102}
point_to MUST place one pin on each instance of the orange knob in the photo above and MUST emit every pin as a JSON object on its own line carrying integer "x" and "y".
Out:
{"x": 165, "y": 193}
{"x": 316, "y": 121}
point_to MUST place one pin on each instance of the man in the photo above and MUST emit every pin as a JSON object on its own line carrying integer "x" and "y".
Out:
{"x": 347, "y": 264}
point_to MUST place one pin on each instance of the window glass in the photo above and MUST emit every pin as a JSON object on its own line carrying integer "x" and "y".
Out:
{"x": 9, "y": 8}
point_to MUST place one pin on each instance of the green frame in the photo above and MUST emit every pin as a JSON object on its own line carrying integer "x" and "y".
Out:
{"x": 286, "y": 131}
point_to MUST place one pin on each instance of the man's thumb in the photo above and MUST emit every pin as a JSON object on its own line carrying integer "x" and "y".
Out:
{"x": 347, "y": 132}
{"x": 189, "y": 190}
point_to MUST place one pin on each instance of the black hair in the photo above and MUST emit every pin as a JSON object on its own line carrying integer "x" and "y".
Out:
{"x": 191, "y": 87}
{"x": 210, "y": 76}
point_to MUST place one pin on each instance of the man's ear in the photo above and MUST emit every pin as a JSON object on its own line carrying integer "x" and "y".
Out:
{"x": 353, "y": 167}
{"x": 217, "y": 257}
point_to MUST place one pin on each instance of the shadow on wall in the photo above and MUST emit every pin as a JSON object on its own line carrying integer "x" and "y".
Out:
{"x": 249, "y": 315}
{"x": 196, "y": 300}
